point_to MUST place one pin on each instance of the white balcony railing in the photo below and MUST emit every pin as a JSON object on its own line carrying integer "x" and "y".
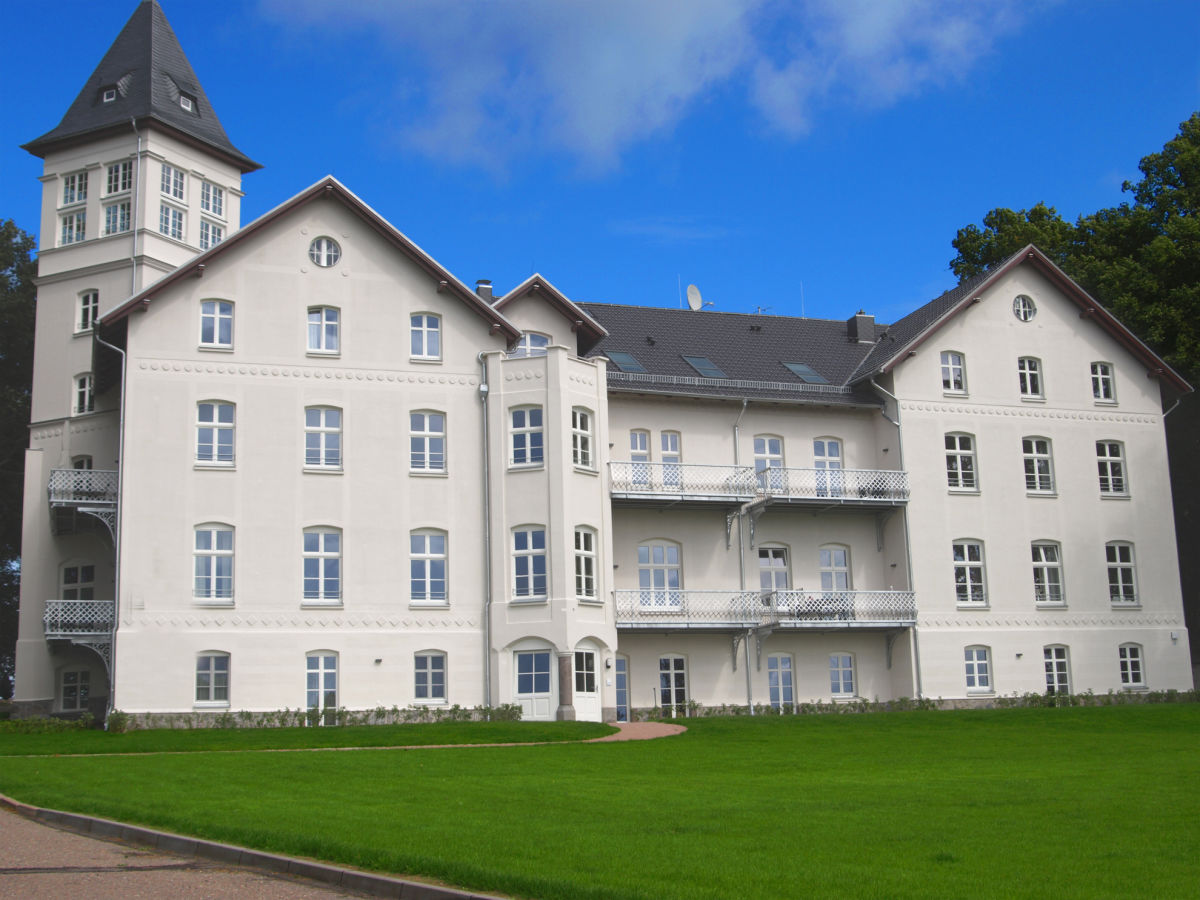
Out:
{"x": 83, "y": 487}
{"x": 686, "y": 608}
{"x": 78, "y": 618}
{"x": 651, "y": 479}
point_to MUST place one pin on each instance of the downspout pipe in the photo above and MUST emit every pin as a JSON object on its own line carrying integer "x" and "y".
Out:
{"x": 112, "y": 650}
{"x": 137, "y": 178}
{"x": 487, "y": 535}
{"x": 916, "y": 647}
{"x": 737, "y": 444}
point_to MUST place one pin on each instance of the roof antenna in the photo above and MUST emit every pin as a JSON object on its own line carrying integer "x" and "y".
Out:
{"x": 679, "y": 288}
{"x": 802, "y": 299}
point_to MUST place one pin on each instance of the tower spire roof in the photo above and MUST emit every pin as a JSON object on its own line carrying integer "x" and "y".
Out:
{"x": 145, "y": 76}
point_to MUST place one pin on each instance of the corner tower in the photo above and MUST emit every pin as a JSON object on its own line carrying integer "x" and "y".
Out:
{"x": 139, "y": 177}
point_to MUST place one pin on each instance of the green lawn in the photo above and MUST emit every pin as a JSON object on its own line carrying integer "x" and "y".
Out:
{"x": 1079, "y": 802}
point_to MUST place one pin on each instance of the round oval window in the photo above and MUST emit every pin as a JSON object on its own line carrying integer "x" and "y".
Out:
{"x": 324, "y": 251}
{"x": 1023, "y": 308}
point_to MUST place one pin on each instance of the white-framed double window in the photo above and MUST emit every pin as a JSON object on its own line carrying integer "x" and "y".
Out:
{"x": 429, "y": 676}
{"x": 585, "y": 563}
{"x": 77, "y": 582}
{"x": 768, "y": 462}
{"x": 1122, "y": 574}
{"x": 87, "y": 312}
{"x": 75, "y": 690}
{"x": 173, "y": 181}
{"x": 171, "y": 222}
{"x": 120, "y": 177}
{"x": 530, "y": 344}
{"x": 212, "y": 199}
{"x": 834, "y": 562}
{"x": 528, "y": 439}
{"x": 212, "y": 678}
{"x": 841, "y": 675}
{"x": 75, "y": 188}
{"x": 74, "y": 227}
{"x": 117, "y": 217}
{"x": 215, "y": 433}
{"x": 1129, "y": 658}
{"x": 83, "y": 399}
{"x": 530, "y": 563}
{"x": 322, "y": 437}
{"x": 954, "y": 372}
{"x": 324, "y": 330}
{"x": 639, "y": 456}
{"x": 978, "y": 663}
{"x": 213, "y": 563}
{"x": 1038, "y": 460}
{"x": 1047, "y": 573}
{"x": 1104, "y": 382}
{"x": 1110, "y": 464}
{"x": 660, "y": 574}
{"x": 211, "y": 234}
{"x": 427, "y": 565}
{"x": 1029, "y": 378}
{"x": 216, "y": 324}
{"x": 425, "y": 333}
{"x": 321, "y": 563}
{"x": 960, "y": 462}
{"x": 427, "y": 441}
{"x": 773, "y": 568}
{"x": 671, "y": 458}
{"x": 780, "y": 689}
{"x": 581, "y": 438}
{"x": 1057, "y": 661}
{"x": 321, "y": 686}
{"x": 970, "y": 586}
{"x": 672, "y": 684}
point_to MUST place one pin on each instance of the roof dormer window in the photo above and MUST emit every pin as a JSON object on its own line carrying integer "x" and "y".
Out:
{"x": 185, "y": 102}
{"x": 109, "y": 95}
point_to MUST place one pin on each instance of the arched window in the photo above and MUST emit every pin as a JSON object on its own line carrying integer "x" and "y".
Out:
{"x": 1047, "y": 572}
{"x": 322, "y": 437}
{"x": 768, "y": 462}
{"x": 528, "y": 438}
{"x": 1132, "y": 672}
{"x": 212, "y": 678}
{"x": 581, "y": 438}
{"x": 531, "y": 344}
{"x": 828, "y": 461}
{"x": 1110, "y": 462}
{"x": 321, "y": 686}
{"x": 660, "y": 575}
{"x": 429, "y": 676}
{"x": 216, "y": 324}
{"x": 1029, "y": 378}
{"x": 1122, "y": 574}
{"x": 214, "y": 433}
{"x": 322, "y": 565}
{"x": 954, "y": 372}
{"x": 970, "y": 585}
{"x": 960, "y": 462}
{"x": 1058, "y": 669}
{"x": 585, "y": 563}
{"x": 426, "y": 336}
{"x": 1038, "y": 457}
{"x": 213, "y": 559}
{"x": 978, "y": 661}
{"x": 427, "y": 441}
{"x": 428, "y": 559}
{"x": 530, "y": 568}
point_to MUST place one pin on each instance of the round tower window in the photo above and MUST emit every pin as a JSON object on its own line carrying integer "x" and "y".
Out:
{"x": 1023, "y": 308}
{"x": 324, "y": 251}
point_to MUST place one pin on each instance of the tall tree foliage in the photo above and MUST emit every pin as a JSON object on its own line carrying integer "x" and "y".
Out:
{"x": 17, "y": 268}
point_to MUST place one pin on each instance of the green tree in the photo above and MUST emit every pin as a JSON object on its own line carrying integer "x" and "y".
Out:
{"x": 17, "y": 269}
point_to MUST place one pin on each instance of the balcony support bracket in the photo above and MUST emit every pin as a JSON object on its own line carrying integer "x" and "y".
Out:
{"x": 737, "y": 639}
{"x": 751, "y": 511}
{"x": 881, "y": 518}
{"x": 102, "y": 647}
{"x": 890, "y": 639}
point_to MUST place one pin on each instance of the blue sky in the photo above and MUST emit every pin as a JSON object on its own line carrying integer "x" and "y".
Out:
{"x": 766, "y": 151}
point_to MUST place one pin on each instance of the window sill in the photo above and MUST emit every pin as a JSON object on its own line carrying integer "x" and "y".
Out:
{"x": 1108, "y": 403}
{"x": 429, "y": 604}
{"x": 428, "y": 473}
{"x": 323, "y": 470}
{"x": 965, "y": 606}
{"x": 214, "y": 348}
{"x": 844, "y": 698}
{"x": 529, "y": 601}
{"x": 214, "y": 466}
{"x": 1048, "y": 604}
{"x": 204, "y": 601}
{"x": 210, "y": 704}
{"x": 1108, "y": 495}
{"x": 1048, "y": 494}
{"x": 526, "y": 467}
{"x": 1134, "y": 688}
{"x": 426, "y": 360}
{"x": 969, "y": 492}
{"x": 82, "y": 332}
{"x": 1134, "y": 606}
{"x": 586, "y": 470}
{"x": 1033, "y": 399}
{"x": 980, "y": 692}
{"x": 589, "y": 601}
{"x": 437, "y": 702}
{"x": 956, "y": 395}
{"x": 323, "y": 354}
{"x": 321, "y": 604}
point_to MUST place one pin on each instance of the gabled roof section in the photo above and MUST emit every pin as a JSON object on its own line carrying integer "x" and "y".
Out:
{"x": 149, "y": 73}
{"x": 588, "y": 330}
{"x": 750, "y": 350}
{"x": 328, "y": 187}
{"x": 914, "y": 329}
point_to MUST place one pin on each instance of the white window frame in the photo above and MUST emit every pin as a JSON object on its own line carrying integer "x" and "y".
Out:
{"x": 321, "y": 570}
{"x": 586, "y": 568}
{"x": 781, "y": 681}
{"x": 1132, "y": 666}
{"x": 212, "y": 199}
{"x": 212, "y": 678}
{"x": 1037, "y": 456}
{"x": 74, "y": 227}
{"x": 673, "y": 683}
{"x": 1121, "y": 563}
{"x": 321, "y": 686}
{"x": 639, "y": 455}
{"x": 1110, "y": 466}
{"x": 774, "y": 571}
{"x": 970, "y": 573}
{"x": 1048, "y": 584}
{"x": 843, "y": 679}
{"x": 79, "y": 683}
{"x": 584, "y": 669}
{"x": 671, "y": 458}
{"x": 769, "y": 466}
{"x": 428, "y": 567}
{"x": 954, "y": 372}
{"x": 324, "y": 330}
{"x": 829, "y": 457}
{"x": 118, "y": 217}
{"x": 527, "y": 437}
{"x": 83, "y": 394}
{"x": 75, "y": 188}
{"x": 425, "y": 336}
{"x": 1104, "y": 382}
{"x": 977, "y": 662}
{"x": 211, "y": 234}
{"x": 532, "y": 343}
{"x": 833, "y": 561}
{"x": 429, "y": 677}
{"x": 213, "y": 566}
{"x": 216, "y": 321}
{"x": 531, "y": 564}
{"x": 581, "y": 438}
{"x": 216, "y": 429}
{"x": 427, "y": 441}
{"x": 323, "y": 445}
{"x": 173, "y": 182}
{"x": 324, "y": 251}
{"x": 660, "y": 574}
{"x": 77, "y": 581}
{"x": 1030, "y": 380}
{"x": 962, "y": 469}
{"x": 87, "y": 311}
{"x": 1024, "y": 308}
{"x": 171, "y": 222}
{"x": 1056, "y": 659}
{"x": 120, "y": 178}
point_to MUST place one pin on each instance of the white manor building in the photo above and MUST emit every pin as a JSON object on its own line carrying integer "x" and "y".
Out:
{"x": 299, "y": 463}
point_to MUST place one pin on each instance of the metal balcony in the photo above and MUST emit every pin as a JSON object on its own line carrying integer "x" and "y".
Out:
{"x": 647, "y": 481}
{"x": 671, "y": 610}
{"x": 78, "y": 618}
{"x": 86, "y": 492}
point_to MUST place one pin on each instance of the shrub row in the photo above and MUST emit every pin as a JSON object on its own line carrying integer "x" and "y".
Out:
{"x": 119, "y": 721}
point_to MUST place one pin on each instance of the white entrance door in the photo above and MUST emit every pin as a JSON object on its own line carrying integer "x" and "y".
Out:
{"x": 587, "y": 691}
{"x": 533, "y": 685}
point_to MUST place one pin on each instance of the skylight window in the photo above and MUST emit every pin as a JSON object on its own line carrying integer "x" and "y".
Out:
{"x": 626, "y": 362}
{"x": 806, "y": 373}
{"x": 704, "y": 366}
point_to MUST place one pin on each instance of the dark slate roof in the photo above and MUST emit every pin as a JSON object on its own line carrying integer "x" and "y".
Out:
{"x": 149, "y": 70}
{"x": 750, "y": 349}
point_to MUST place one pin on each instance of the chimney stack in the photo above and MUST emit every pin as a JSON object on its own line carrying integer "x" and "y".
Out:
{"x": 483, "y": 287}
{"x": 860, "y": 328}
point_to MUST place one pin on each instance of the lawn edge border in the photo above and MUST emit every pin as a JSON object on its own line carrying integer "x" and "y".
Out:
{"x": 272, "y": 864}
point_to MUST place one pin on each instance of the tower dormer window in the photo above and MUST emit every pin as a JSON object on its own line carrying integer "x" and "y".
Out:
{"x": 185, "y": 102}
{"x": 110, "y": 94}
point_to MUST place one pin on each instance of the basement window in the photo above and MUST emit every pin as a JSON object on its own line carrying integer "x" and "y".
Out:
{"x": 705, "y": 366}
{"x": 626, "y": 362}
{"x": 806, "y": 373}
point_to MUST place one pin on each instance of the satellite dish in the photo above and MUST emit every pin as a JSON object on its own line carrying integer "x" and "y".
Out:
{"x": 694, "y": 299}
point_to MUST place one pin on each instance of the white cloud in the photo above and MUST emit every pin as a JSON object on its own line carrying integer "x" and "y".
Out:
{"x": 499, "y": 81}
